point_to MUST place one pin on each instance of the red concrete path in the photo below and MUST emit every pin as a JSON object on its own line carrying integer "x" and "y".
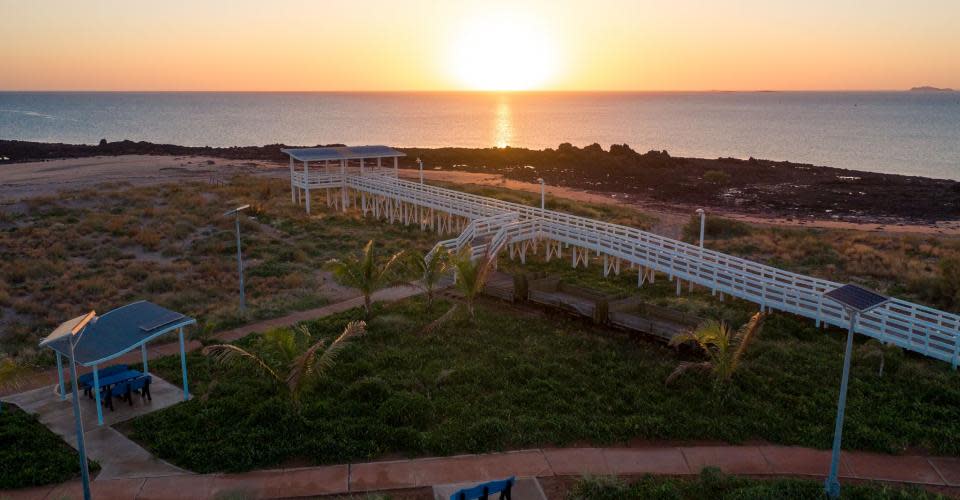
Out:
{"x": 375, "y": 476}
{"x": 49, "y": 377}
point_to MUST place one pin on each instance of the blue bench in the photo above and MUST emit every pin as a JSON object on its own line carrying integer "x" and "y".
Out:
{"x": 124, "y": 390}
{"x": 85, "y": 381}
{"x": 482, "y": 491}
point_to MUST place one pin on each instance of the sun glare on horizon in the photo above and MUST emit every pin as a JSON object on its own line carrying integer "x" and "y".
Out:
{"x": 503, "y": 52}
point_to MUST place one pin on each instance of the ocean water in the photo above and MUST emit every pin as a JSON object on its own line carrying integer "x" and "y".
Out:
{"x": 898, "y": 132}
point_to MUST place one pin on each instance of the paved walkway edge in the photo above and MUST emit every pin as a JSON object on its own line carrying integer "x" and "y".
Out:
{"x": 549, "y": 462}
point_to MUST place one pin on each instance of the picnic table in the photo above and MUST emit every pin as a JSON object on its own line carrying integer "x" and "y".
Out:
{"x": 118, "y": 380}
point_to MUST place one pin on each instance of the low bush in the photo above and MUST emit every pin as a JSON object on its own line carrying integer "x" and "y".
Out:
{"x": 713, "y": 484}
{"x": 515, "y": 380}
{"x": 31, "y": 455}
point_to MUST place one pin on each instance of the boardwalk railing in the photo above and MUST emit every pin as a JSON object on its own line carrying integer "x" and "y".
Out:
{"x": 918, "y": 328}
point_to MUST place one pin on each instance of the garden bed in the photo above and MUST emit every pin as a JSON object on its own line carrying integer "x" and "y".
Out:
{"x": 518, "y": 379}
{"x": 32, "y": 455}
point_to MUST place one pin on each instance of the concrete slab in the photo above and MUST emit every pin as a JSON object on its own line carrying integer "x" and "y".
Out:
{"x": 38, "y": 493}
{"x": 58, "y": 414}
{"x": 794, "y": 460}
{"x": 577, "y": 461}
{"x": 313, "y": 481}
{"x": 119, "y": 489}
{"x": 285, "y": 483}
{"x": 949, "y": 469}
{"x": 118, "y": 456}
{"x": 527, "y": 488}
{"x": 646, "y": 461}
{"x": 909, "y": 469}
{"x": 177, "y": 487}
{"x": 429, "y": 471}
{"x": 729, "y": 459}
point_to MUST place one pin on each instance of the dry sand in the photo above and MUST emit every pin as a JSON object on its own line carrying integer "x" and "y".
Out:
{"x": 26, "y": 180}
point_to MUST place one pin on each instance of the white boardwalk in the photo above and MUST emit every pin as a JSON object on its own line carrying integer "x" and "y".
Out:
{"x": 490, "y": 225}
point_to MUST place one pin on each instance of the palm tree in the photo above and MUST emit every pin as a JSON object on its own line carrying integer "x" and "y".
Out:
{"x": 11, "y": 375}
{"x": 431, "y": 271}
{"x": 288, "y": 357}
{"x": 472, "y": 275}
{"x": 366, "y": 272}
{"x": 723, "y": 346}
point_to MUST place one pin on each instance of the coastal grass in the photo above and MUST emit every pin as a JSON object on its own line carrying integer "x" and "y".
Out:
{"x": 32, "y": 455}
{"x": 921, "y": 268}
{"x": 713, "y": 484}
{"x": 516, "y": 378}
{"x": 170, "y": 244}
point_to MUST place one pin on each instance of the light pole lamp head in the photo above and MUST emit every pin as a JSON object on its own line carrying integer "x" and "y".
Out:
{"x": 540, "y": 180}
{"x": 236, "y": 210}
{"x": 700, "y": 211}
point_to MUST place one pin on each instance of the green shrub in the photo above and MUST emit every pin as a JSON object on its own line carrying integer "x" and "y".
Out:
{"x": 371, "y": 390}
{"x": 713, "y": 484}
{"x": 31, "y": 455}
{"x": 716, "y": 177}
{"x": 406, "y": 409}
{"x": 714, "y": 228}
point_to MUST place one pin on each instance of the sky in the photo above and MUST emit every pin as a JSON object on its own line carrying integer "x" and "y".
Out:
{"x": 398, "y": 45}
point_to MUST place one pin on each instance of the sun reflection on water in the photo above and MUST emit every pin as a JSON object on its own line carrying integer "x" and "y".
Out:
{"x": 503, "y": 127}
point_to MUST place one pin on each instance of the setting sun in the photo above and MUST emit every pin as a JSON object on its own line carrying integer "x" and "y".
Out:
{"x": 503, "y": 52}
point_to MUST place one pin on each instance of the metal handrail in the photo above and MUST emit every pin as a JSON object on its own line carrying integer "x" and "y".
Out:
{"x": 915, "y": 327}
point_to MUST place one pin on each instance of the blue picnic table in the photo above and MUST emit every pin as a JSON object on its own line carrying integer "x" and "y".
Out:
{"x": 120, "y": 381}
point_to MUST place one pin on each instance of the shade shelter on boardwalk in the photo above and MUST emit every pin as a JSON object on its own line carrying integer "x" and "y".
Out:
{"x": 364, "y": 159}
{"x": 111, "y": 335}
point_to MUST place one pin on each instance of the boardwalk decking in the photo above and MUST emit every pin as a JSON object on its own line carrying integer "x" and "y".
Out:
{"x": 522, "y": 229}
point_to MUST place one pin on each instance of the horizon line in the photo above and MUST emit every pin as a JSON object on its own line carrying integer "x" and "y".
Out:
{"x": 470, "y": 91}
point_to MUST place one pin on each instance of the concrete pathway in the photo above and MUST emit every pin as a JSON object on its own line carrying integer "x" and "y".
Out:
{"x": 940, "y": 472}
{"x": 118, "y": 456}
{"x": 393, "y": 294}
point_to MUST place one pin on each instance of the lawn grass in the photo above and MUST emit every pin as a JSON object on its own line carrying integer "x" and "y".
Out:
{"x": 32, "y": 455}
{"x": 517, "y": 379}
{"x": 715, "y": 485}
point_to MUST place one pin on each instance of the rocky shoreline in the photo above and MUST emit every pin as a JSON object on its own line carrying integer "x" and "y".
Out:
{"x": 758, "y": 187}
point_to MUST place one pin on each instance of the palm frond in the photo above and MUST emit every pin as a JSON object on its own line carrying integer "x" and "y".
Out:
{"x": 746, "y": 334}
{"x": 228, "y": 354}
{"x": 439, "y": 322}
{"x": 386, "y": 273}
{"x": 326, "y": 361}
{"x": 302, "y": 366}
{"x": 686, "y": 366}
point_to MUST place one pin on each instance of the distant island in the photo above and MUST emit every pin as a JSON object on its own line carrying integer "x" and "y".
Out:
{"x": 927, "y": 88}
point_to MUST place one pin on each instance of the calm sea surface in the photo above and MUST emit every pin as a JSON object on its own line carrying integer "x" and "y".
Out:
{"x": 899, "y": 132}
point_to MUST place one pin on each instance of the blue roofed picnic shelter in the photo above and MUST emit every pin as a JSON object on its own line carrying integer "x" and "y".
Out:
{"x": 93, "y": 341}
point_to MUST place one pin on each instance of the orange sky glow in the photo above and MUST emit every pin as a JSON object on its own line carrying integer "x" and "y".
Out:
{"x": 222, "y": 45}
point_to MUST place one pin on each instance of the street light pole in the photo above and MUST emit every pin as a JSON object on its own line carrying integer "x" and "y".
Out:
{"x": 236, "y": 212}
{"x": 703, "y": 222}
{"x": 855, "y": 301}
{"x": 543, "y": 195}
{"x": 832, "y": 483}
{"x": 420, "y": 162}
{"x": 78, "y": 421}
